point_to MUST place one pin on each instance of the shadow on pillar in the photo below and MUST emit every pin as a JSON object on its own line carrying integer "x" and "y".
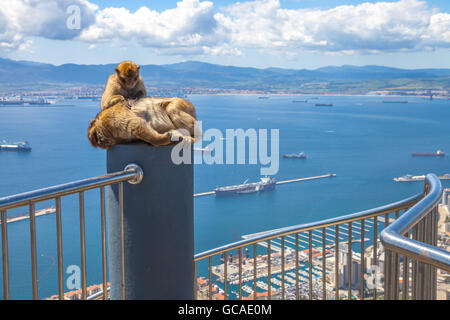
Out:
{"x": 158, "y": 225}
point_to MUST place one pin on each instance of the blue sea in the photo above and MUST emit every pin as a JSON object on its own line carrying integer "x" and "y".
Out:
{"x": 364, "y": 141}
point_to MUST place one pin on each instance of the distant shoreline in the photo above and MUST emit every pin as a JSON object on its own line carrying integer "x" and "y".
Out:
{"x": 316, "y": 95}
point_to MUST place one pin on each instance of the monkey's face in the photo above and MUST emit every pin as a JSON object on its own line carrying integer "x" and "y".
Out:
{"x": 128, "y": 74}
{"x": 97, "y": 135}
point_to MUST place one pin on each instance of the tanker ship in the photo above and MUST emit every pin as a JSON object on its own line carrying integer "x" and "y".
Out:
{"x": 438, "y": 153}
{"x": 266, "y": 183}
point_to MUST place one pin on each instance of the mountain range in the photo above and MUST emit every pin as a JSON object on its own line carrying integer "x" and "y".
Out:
{"x": 195, "y": 74}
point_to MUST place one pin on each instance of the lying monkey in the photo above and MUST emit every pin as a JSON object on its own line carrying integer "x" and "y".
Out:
{"x": 158, "y": 121}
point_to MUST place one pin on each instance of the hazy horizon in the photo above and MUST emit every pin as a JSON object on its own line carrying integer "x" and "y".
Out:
{"x": 229, "y": 65}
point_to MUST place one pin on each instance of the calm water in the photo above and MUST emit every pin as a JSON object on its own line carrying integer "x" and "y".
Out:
{"x": 365, "y": 142}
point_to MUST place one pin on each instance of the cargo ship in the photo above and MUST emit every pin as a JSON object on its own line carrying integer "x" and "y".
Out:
{"x": 300, "y": 101}
{"x": 395, "y": 101}
{"x": 16, "y": 146}
{"x": 324, "y": 104}
{"x": 266, "y": 183}
{"x": 438, "y": 153}
{"x": 300, "y": 155}
{"x": 409, "y": 178}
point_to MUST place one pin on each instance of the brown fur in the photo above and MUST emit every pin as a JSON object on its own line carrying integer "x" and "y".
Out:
{"x": 116, "y": 90}
{"x": 158, "y": 121}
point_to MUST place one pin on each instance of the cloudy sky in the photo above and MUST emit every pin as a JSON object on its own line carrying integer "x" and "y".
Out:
{"x": 259, "y": 33}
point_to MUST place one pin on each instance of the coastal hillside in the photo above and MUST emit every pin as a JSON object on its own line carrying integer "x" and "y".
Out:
{"x": 193, "y": 74}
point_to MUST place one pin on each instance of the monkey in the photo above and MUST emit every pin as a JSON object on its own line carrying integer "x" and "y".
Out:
{"x": 126, "y": 83}
{"x": 158, "y": 121}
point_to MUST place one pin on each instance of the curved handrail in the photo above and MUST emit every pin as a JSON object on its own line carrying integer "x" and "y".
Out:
{"x": 399, "y": 205}
{"x": 393, "y": 237}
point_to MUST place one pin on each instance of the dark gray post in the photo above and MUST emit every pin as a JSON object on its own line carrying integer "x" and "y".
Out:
{"x": 158, "y": 225}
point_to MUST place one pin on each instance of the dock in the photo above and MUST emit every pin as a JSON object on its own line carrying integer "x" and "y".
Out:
{"x": 278, "y": 182}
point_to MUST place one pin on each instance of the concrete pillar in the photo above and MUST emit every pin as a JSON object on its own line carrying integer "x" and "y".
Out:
{"x": 158, "y": 225}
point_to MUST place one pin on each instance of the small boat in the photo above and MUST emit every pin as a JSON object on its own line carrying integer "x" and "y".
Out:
{"x": 263, "y": 97}
{"x": 300, "y": 155}
{"x": 324, "y": 104}
{"x": 299, "y": 101}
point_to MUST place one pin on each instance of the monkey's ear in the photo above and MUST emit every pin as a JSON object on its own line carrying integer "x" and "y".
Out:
{"x": 117, "y": 71}
{"x": 138, "y": 67}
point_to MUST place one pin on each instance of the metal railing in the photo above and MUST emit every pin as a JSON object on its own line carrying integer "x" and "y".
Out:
{"x": 343, "y": 257}
{"x": 334, "y": 258}
{"x": 414, "y": 237}
{"x": 132, "y": 173}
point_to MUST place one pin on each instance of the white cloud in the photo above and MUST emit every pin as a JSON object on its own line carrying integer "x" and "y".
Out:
{"x": 24, "y": 18}
{"x": 189, "y": 27}
{"x": 368, "y": 27}
{"x": 438, "y": 31}
{"x": 195, "y": 27}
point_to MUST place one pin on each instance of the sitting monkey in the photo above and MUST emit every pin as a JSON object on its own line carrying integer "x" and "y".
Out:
{"x": 158, "y": 121}
{"x": 124, "y": 84}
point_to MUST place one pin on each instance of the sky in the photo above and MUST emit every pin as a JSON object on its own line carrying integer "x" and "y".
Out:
{"x": 295, "y": 34}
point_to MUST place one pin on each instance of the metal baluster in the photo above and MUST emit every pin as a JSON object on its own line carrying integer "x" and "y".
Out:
{"x": 83, "y": 246}
{"x": 33, "y": 250}
{"x": 225, "y": 274}
{"x": 427, "y": 234}
{"x": 387, "y": 274}
{"x": 324, "y": 267}
{"x": 375, "y": 256}
{"x": 414, "y": 268}
{"x": 349, "y": 262}
{"x": 210, "y": 278}
{"x": 396, "y": 265}
{"x": 434, "y": 243}
{"x": 336, "y": 264}
{"x": 296, "y": 267}
{"x": 59, "y": 249}
{"x": 269, "y": 271}
{"x": 122, "y": 240}
{"x": 254, "y": 271}
{"x": 310, "y": 265}
{"x": 420, "y": 266}
{"x": 103, "y": 230}
{"x": 405, "y": 294}
{"x": 195, "y": 281}
{"x": 240, "y": 273}
{"x": 282, "y": 269}
{"x": 5, "y": 258}
{"x": 387, "y": 264}
{"x": 362, "y": 264}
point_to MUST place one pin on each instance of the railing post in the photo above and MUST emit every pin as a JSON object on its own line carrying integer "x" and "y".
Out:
{"x": 157, "y": 230}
